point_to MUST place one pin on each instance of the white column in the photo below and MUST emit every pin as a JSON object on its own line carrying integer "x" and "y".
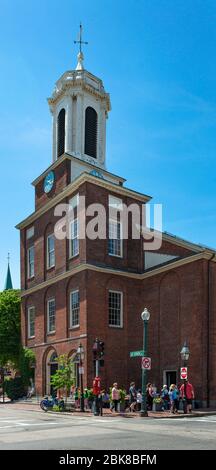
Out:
{"x": 79, "y": 124}
{"x": 68, "y": 125}
{"x": 54, "y": 126}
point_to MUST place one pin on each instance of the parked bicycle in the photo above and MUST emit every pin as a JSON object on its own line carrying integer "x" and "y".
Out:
{"x": 48, "y": 403}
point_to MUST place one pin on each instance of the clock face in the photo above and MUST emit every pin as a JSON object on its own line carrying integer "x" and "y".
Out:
{"x": 49, "y": 182}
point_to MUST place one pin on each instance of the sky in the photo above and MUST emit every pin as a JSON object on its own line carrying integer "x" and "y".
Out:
{"x": 157, "y": 61}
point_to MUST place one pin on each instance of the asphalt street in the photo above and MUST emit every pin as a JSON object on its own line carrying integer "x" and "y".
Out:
{"x": 20, "y": 429}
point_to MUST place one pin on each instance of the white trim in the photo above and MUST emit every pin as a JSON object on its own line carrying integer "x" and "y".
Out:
{"x": 48, "y": 302}
{"x": 121, "y": 240}
{"x": 48, "y": 253}
{"x": 28, "y": 264}
{"x": 32, "y": 307}
{"x": 75, "y": 238}
{"x": 121, "y": 309}
{"x": 72, "y": 327}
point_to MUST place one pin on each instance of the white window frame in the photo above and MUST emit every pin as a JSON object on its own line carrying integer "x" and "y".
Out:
{"x": 48, "y": 253}
{"x": 30, "y": 309}
{"x": 113, "y": 221}
{"x": 72, "y": 238}
{"x": 48, "y": 315}
{"x": 31, "y": 275}
{"x": 71, "y": 293}
{"x": 111, "y": 291}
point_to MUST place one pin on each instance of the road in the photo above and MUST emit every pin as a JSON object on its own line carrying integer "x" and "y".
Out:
{"x": 37, "y": 430}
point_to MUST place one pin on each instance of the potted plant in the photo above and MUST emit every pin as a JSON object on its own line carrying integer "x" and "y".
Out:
{"x": 157, "y": 404}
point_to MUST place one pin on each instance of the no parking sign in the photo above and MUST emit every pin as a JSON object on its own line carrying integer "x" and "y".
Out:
{"x": 146, "y": 363}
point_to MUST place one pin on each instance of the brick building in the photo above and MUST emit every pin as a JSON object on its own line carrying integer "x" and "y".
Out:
{"x": 74, "y": 290}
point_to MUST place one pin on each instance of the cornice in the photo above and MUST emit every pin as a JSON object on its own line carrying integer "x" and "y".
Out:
{"x": 72, "y": 187}
{"x": 114, "y": 272}
{"x": 185, "y": 244}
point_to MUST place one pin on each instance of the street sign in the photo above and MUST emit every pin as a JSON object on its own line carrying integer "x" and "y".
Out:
{"x": 183, "y": 373}
{"x": 137, "y": 353}
{"x": 146, "y": 363}
{"x": 81, "y": 370}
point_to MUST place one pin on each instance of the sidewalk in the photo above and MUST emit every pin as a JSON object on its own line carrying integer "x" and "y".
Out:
{"x": 34, "y": 405}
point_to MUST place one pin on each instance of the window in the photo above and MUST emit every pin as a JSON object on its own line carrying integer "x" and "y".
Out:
{"x": 74, "y": 201}
{"x": 50, "y": 251}
{"x": 115, "y": 309}
{"x": 30, "y": 232}
{"x": 31, "y": 322}
{"x": 61, "y": 133}
{"x": 31, "y": 262}
{"x": 51, "y": 314}
{"x": 115, "y": 238}
{"x": 91, "y": 132}
{"x": 115, "y": 202}
{"x": 74, "y": 308}
{"x": 74, "y": 240}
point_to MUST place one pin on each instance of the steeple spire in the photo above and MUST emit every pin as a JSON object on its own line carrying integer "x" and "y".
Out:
{"x": 8, "y": 282}
{"x": 80, "y": 55}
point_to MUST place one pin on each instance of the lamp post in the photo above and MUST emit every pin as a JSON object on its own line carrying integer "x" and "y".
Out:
{"x": 185, "y": 353}
{"x": 80, "y": 351}
{"x": 145, "y": 315}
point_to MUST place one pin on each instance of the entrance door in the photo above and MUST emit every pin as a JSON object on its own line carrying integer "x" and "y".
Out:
{"x": 53, "y": 369}
{"x": 170, "y": 377}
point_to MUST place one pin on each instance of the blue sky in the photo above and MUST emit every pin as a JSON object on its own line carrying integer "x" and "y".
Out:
{"x": 157, "y": 61}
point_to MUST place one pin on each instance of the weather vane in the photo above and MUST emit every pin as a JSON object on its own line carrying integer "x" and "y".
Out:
{"x": 80, "y": 41}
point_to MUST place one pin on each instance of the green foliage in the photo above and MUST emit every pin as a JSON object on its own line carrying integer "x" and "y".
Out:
{"x": 26, "y": 361}
{"x": 63, "y": 378}
{"x": 10, "y": 330}
{"x": 15, "y": 388}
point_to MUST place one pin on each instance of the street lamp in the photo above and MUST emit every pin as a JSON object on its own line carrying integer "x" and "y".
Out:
{"x": 185, "y": 353}
{"x": 145, "y": 315}
{"x": 80, "y": 351}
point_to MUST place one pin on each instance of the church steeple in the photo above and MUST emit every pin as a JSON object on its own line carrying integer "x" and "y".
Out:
{"x": 80, "y": 105}
{"x": 8, "y": 282}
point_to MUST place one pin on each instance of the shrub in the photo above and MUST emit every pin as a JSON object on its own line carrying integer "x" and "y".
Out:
{"x": 15, "y": 388}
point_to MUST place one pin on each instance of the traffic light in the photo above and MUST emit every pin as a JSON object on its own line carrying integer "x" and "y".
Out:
{"x": 101, "y": 349}
{"x": 95, "y": 349}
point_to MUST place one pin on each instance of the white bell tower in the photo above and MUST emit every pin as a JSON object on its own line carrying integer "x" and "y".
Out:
{"x": 80, "y": 106}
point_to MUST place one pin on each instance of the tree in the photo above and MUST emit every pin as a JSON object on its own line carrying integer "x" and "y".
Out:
{"x": 10, "y": 328}
{"x": 63, "y": 377}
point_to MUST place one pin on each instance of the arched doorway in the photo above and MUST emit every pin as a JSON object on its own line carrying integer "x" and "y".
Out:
{"x": 51, "y": 368}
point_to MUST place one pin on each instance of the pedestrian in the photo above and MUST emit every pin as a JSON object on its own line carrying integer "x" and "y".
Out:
{"x": 105, "y": 399}
{"x": 139, "y": 399}
{"x": 86, "y": 398}
{"x": 165, "y": 397}
{"x": 173, "y": 398}
{"x": 115, "y": 395}
{"x": 133, "y": 396}
{"x": 187, "y": 393}
{"x": 149, "y": 396}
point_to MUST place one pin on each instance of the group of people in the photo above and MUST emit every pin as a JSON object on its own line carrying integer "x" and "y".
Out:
{"x": 170, "y": 397}
{"x": 131, "y": 401}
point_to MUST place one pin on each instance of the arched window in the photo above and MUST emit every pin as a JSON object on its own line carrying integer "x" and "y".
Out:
{"x": 91, "y": 132}
{"x": 61, "y": 133}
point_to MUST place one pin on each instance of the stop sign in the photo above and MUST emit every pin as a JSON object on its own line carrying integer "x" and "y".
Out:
{"x": 183, "y": 373}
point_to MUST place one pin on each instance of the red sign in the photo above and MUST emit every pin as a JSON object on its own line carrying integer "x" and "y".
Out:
{"x": 146, "y": 363}
{"x": 183, "y": 373}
